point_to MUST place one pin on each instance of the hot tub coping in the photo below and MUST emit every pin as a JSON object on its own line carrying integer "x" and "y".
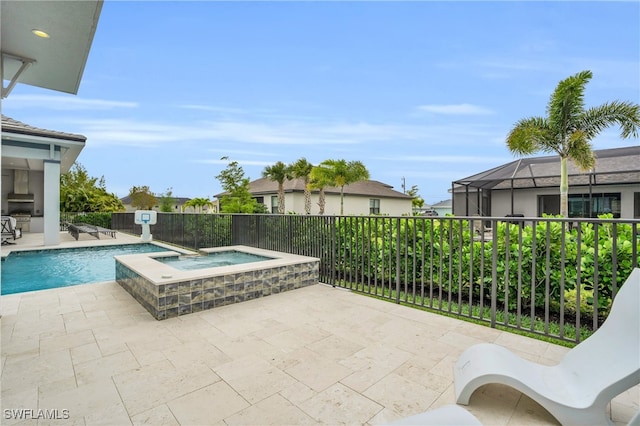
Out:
{"x": 160, "y": 273}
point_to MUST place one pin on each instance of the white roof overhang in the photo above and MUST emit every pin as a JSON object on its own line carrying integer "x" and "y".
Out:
{"x": 57, "y": 62}
{"x": 28, "y": 147}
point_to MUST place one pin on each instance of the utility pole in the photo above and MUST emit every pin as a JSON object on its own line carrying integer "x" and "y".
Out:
{"x": 404, "y": 185}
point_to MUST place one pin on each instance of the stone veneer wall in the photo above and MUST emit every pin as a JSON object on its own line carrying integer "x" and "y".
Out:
{"x": 171, "y": 300}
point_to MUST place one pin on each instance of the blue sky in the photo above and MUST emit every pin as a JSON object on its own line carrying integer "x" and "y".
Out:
{"x": 425, "y": 91}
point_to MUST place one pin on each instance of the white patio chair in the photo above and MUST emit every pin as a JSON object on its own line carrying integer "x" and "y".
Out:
{"x": 9, "y": 229}
{"x": 448, "y": 415}
{"x": 578, "y": 389}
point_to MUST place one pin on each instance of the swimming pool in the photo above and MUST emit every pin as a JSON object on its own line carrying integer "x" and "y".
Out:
{"x": 44, "y": 269}
{"x": 212, "y": 260}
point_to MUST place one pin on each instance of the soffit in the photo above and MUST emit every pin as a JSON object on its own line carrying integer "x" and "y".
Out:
{"x": 60, "y": 59}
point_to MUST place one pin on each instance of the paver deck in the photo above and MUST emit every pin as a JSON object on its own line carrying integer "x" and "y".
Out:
{"x": 317, "y": 355}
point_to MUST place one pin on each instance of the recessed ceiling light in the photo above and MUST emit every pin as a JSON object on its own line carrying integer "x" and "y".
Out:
{"x": 40, "y": 33}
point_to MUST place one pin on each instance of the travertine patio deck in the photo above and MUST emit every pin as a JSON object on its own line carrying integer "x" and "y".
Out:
{"x": 316, "y": 355}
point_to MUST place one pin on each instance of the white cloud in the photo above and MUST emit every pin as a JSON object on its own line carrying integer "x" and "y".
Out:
{"x": 253, "y": 136}
{"x": 453, "y": 159}
{"x": 64, "y": 103}
{"x": 456, "y": 109}
{"x": 141, "y": 133}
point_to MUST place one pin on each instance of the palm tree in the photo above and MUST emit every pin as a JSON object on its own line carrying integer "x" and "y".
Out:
{"x": 198, "y": 203}
{"x": 344, "y": 173}
{"x": 302, "y": 169}
{"x": 279, "y": 172}
{"x": 568, "y": 128}
{"x": 319, "y": 179}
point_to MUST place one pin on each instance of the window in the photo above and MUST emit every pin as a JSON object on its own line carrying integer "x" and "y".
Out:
{"x": 600, "y": 204}
{"x": 374, "y": 206}
{"x": 274, "y": 204}
{"x": 578, "y": 204}
{"x": 636, "y": 205}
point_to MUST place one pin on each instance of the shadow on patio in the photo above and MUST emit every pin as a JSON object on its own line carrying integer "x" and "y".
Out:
{"x": 313, "y": 355}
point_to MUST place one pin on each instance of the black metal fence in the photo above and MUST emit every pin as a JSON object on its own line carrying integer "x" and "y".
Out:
{"x": 548, "y": 276}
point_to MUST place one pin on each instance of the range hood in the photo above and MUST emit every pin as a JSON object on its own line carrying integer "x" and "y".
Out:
{"x": 20, "y": 192}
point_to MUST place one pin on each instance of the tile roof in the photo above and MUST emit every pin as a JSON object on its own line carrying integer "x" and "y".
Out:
{"x": 364, "y": 188}
{"x": 9, "y": 125}
{"x": 443, "y": 203}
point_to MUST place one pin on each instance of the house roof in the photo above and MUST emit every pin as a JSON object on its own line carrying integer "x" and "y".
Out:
{"x": 613, "y": 166}
{"x": 18, "y": 136}
{"x": 443, "y": 204}
{"x": 57, "y": 62}
{"x": 9, "y": 125}
{"x": 371, "y": 188}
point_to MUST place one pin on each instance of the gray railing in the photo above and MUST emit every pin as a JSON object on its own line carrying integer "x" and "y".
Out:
{"x": 547, "y": 276}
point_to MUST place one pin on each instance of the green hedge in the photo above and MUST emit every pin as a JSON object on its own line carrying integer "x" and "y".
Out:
{"x": 447, "y": 254}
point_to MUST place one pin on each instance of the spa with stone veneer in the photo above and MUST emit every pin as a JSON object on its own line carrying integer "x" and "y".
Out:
{"x": 167, "y": 292}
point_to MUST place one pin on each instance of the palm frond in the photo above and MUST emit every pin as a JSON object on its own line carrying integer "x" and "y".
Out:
{"x": 528, "y": 136}
{"x": 566, "y": 104}
{"x": 625, "y": 114}
{"x": 581, "y": 151}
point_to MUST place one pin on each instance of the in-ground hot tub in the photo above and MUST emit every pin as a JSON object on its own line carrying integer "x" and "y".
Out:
{"x": 167, "y": 291}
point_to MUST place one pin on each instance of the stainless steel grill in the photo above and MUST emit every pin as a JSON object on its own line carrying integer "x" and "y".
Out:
{"x": 23, "y": 221}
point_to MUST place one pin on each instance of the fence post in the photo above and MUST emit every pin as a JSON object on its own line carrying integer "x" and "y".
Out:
{"x": 398, "y": 260}
{"x": 494, "y": 277}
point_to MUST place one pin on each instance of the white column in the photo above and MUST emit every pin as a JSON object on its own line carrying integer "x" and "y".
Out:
{"x": 51, "y": 202}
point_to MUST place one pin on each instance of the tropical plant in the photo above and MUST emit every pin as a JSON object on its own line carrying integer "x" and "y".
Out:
{"x": 279, "y": 172}
{"x": 142, "y": 197}
{"x": 198, "y": 203}
{"x": 416, "y": 200}
{"x": 342, "y": 173}
{"x": 167, "y": 201}
{"x": 81, "y": 193}
{"x": 569, "y": 128}
{"x": 237, "y": 198}
{"x": 302, "y": 169}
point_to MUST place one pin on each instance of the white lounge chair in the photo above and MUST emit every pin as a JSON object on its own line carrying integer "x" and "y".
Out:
{"x": 578, "y": 389}
{"x": 9, "y": 229}
{"x": 448, "y": 415}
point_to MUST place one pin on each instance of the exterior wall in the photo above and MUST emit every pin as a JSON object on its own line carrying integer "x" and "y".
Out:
{"x": 442, "y": 211}
{"x": 359, "y": 205}
{"x": 525, "y": 201}
{"x": 353, "y": 204}
{"x": 459, "y": 203}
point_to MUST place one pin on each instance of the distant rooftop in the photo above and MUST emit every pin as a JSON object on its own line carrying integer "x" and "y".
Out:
{"x": 364, "y": 188}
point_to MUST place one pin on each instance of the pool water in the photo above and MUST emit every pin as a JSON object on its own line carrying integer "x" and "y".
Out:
{"x": 223, "y": 258}
{"x": 44, "y": 269}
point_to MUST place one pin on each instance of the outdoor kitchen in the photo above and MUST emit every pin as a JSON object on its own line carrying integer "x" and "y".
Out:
{"x": 19, "y": 199}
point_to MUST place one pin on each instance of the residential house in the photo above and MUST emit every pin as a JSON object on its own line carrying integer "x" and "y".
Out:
{"x": 34, "y": 158}
{"x": 442, "y": 208}
{"x": 531, "y": 187}
{"x": 360, "y": 198}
